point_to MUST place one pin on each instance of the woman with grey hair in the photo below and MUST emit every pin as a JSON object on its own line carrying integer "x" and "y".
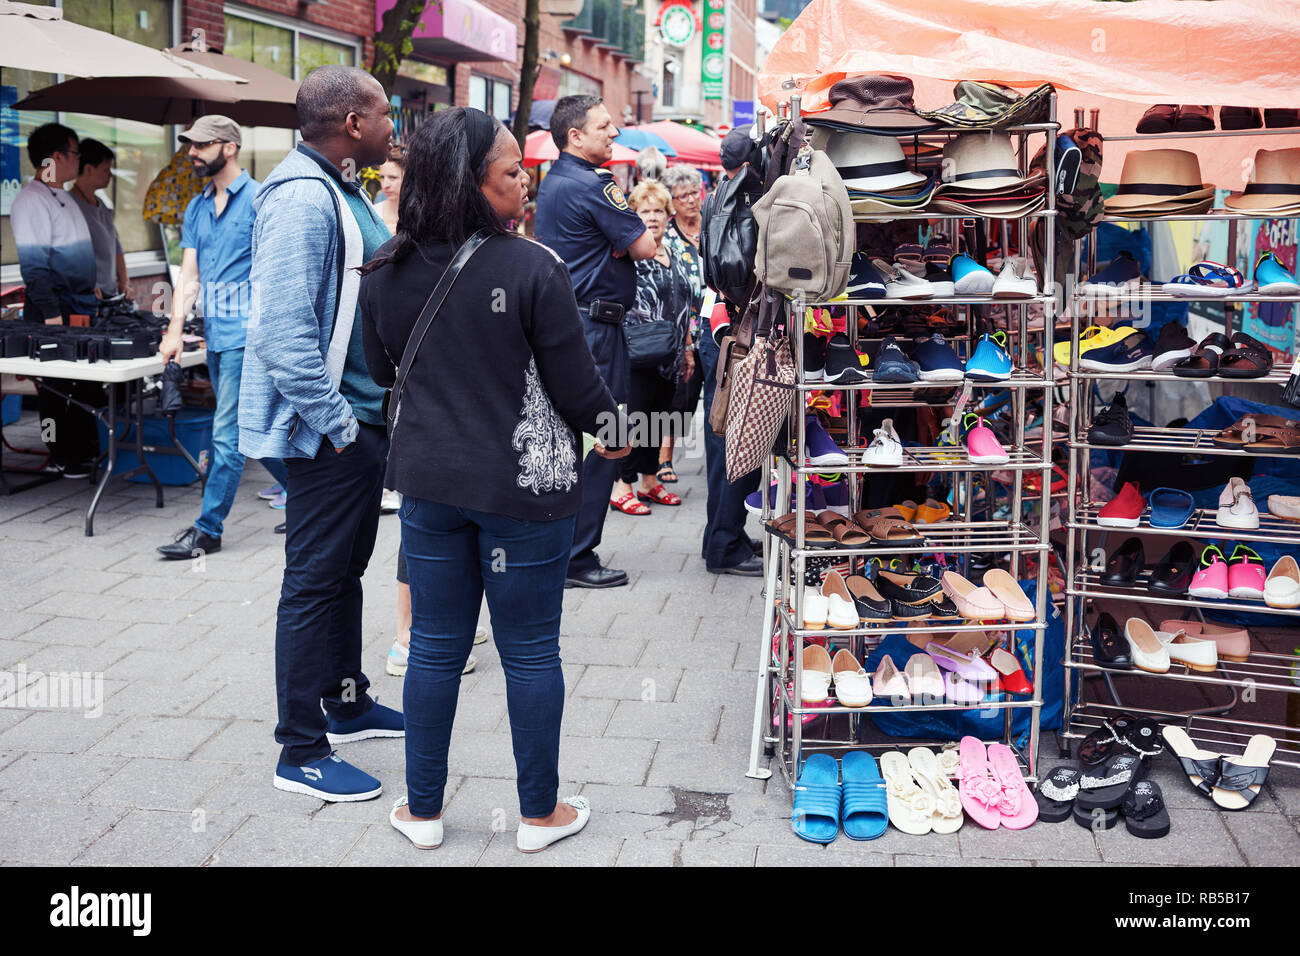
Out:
{"x": 650, "y": 164}
{"x": 685, "y": 185}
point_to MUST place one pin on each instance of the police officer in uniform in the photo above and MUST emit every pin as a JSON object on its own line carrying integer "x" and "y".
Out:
{"x": 583, "y": 216}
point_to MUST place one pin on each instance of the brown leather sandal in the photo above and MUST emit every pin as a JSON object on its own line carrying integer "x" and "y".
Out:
{"x": 843, "y": 530}
{"x": 1249, "y": 358}
{"x": 1234, "y": 435}
{"x": 885, "y": 525}
{"x": 814, "y": 534}
{"x": 1274, "y": 439}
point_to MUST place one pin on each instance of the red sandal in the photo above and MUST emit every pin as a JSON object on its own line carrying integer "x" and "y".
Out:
{"x": 628, "y": 505}
{"x": 659, "y": 495}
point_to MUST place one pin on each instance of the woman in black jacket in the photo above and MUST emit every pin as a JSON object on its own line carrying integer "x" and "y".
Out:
{"x": 485, "y": 453}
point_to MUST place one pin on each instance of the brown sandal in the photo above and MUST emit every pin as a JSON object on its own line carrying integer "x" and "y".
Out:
{"x": 814, "y": 534}
{"x": 1234, "y": 435}
{"x": 1274, "y": 439}
{"x": 885, "y": 525}
{"x": 842, "y": 529}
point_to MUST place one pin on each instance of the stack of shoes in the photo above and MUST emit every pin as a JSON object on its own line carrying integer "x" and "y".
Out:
{"x": 1232, "y": 782}
{"x": 1160, "y": 182}
{"x": 982, "y": 178}
{"x": 1115, "y": 761}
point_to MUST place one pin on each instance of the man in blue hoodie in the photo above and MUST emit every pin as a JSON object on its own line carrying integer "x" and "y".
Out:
{"x": 307, "y": 397}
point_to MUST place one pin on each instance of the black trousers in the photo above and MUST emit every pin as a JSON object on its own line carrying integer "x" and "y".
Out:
{"x": 68, "y": 430}
{"x": 648, "y": 408}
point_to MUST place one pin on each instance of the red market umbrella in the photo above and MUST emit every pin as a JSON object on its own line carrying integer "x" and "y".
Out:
{"x": 693, "y": 147}
{"x": 539, "y": 148}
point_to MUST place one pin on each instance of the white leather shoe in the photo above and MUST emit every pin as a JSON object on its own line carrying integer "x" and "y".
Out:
{"x": 1014, "y": 281}
{"x": 1237, "y": 506}
{"x": 841, "y": 612}
{"x": 901, "y": 284}
{"x": 886, "y": 447}
{"x": 533, "y": 838}
{"x": 1195, "y": 652}
{"x": 816, "y": 609}
{"x": 425, "y": 834}
{"x": 1149, "y": 652}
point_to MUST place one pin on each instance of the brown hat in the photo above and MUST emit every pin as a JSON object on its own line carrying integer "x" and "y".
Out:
{"x": 1159, "y": 177}
{"x": 212, "y": 127}
{"x": 877, "y": 104}
{"x": 1274, "y": 182}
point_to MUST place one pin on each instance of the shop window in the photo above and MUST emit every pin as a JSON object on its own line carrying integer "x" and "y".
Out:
{"x": 489, "y": 95}
{"x": 262, "y": 43}
{"x": 668, "y": 90}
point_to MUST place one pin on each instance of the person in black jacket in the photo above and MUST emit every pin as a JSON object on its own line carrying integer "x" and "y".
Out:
{"x": 486, "y": 454}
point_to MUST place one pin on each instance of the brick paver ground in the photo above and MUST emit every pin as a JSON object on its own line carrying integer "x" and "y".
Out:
{"x": 659, "y": 679}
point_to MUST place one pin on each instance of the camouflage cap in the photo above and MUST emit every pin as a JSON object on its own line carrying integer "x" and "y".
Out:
{"x": 983, "y": 105}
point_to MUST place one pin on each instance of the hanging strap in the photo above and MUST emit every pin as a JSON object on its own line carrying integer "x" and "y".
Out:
{"x": 393, "y": 399}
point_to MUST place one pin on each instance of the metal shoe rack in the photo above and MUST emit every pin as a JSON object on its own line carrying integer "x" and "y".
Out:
{"x": 1212, "y": 725}
{"x": 779, "y": 710}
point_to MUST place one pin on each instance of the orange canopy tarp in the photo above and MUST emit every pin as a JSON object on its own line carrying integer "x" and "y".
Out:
{"x": 1118, "y": 57}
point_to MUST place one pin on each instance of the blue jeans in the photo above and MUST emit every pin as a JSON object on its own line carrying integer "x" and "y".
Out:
{"x": 227, "y": 464}
{"x": 331, "y": 520}
{"x": 725, "y": 542}
{"x": 454, "y": 556}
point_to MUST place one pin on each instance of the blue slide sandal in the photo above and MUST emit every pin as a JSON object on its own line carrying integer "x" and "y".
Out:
{"x": 866, "y": 811}
{"x": 816, "y": 816}
{"x": 1171, "y": 508}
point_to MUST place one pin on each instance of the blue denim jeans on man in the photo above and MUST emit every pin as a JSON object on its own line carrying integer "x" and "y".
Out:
{"x": 725, "y": 542}
{"x": 331, "y": 519}
{"x": 226, "y": 464}
{"x": 454, "y": 556}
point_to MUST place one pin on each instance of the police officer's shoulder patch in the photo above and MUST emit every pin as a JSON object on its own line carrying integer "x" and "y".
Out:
{"x": 615, "y": 196}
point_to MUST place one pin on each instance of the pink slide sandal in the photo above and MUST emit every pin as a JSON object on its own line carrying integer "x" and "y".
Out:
{"x": 1019, "y": 809}
{"x": 979, "y": 791}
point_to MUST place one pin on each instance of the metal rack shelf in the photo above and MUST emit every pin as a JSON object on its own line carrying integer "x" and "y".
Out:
{"x": 1271, "y": 530}
{"x": 938, "y": 458}
{"x": 1182, "y": 441}
{"x": 1156, "y": 294}
{"x": 1206, "y": 134}
{"x": 1278, "y": 376}
{"x": 1261, "y": 671}
{"x": 934, "y": 300}
{"x": 944, "y": 536}
{"x": 1019, "y": 379}
{"x": 906, "y": 630}
{"x": 800, "y": 709}
{"x": 929, "y": 213}
{"x": 1225, "y": 735}
{"x": 1088, "y": 584}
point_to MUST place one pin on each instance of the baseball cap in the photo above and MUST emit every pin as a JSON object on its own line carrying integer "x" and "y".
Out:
{"x": 208, "y": 128}
{"x": 734, "y": 151}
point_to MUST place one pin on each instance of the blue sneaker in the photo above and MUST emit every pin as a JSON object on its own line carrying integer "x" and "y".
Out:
{"x": 892, "y": 366}
{"x": 1122, "y": 273}
{"x": 813, "y": 499}
{"x": 1272, "y": 278}
{"x": 266, "y": 494}
{"x": 1127, "y": 355}
{"x": 969, "y": 277}
{"x": 937, "y": 360}
{"x": 378, "y": 721}
{"x": 990, "y": 362}
{"x": 822, "y": 450}
{"x": 864, "y": 281}
{"x": 329, "y": 778}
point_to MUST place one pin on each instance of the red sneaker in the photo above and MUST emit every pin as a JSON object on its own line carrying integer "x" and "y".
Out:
{"x": 1124, "y": 510}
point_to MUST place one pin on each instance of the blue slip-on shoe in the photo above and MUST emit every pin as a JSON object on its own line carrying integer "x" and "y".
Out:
{"x": 1123, "y": 272}
{"x": 893, "y": 367}
{"x": 864, "y": 811}
{"x": 1129, "y": 354}
{"x": 817, "y": 799}
{"x": 990, "y": 362}
{"x": 1171, "y": 508}
{"x": 969, "y": 277}
{"x": 378, "y": 721}
{"x": 1272, "y": 278}
{"x": 822, "y": 450}
{"x": 937, "y": 361}
{"x": 329, "y": 778}
{"x": 812, "y": 496}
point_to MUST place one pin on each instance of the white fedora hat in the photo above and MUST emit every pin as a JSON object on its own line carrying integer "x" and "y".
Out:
{"x": 871, "y": 163}
{"x": 980, "y": 161}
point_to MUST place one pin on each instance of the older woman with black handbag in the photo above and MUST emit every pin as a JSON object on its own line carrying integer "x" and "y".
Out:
{"x": 495, "y": 385}
{"x": 658, "y": 333}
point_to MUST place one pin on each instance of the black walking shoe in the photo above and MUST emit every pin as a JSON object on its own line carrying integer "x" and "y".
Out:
{"x": 596, "y": 578}
{"x": 190, "y": 543}
{"x": 1112, "y": 425}
{"x": 751, "y": 567}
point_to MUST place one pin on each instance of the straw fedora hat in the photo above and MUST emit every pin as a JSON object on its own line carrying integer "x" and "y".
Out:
{"x": 1157, "y": 177}
{"x": 871, "y": 163}
{"x": 979, "y": 162}
{"x": 1274, "y": 182}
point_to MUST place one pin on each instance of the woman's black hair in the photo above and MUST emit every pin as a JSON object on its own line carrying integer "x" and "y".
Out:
{"x": 441, "y": 195}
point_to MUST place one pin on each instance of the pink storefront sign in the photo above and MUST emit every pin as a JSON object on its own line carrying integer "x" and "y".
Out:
{"x": 459, "y": 30}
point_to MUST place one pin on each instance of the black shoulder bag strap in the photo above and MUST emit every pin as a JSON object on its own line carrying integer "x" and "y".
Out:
{"x": 393, "y": 397}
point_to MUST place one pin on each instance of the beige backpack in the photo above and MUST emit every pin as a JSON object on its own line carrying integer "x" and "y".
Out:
{"x": 805, "y": 230}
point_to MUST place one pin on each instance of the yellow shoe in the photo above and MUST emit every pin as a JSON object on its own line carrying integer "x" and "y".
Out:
{"x": 1093, "y": 337}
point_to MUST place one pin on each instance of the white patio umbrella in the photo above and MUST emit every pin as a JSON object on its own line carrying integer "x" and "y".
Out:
{"x": 38, "y": 38}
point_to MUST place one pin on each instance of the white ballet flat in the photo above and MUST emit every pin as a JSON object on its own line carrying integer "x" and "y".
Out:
{"x": 533, "y": 838}
{"x": 425, "y": 834}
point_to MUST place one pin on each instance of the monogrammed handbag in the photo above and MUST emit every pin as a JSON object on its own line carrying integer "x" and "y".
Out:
{"x": 761, "y": 392}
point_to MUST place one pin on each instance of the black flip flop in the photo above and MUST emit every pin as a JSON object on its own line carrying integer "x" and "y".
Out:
{"x": 1103, "y": 788}
{"x": 1144, "y": 811}
{"x": 1055, "y": 794}
{"x": 1098, "y": 746}
{"x": 1101, "y": 819}
{"x": 1142, "y": 737}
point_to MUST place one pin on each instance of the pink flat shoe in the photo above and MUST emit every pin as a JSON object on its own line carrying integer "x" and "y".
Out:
{"x": 1211, "y": 581}
{"x": 983, "y": 446}
{"x": 979, "y": 791}
{"x": 1246, "y": 577}
{"x": 1014, "y": 601}
{"x": 1018, "y": 807}
{"x": 973, "y": 603}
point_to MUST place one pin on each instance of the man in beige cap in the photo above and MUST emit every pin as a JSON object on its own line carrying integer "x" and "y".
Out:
{"x": 217, "y": 244}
